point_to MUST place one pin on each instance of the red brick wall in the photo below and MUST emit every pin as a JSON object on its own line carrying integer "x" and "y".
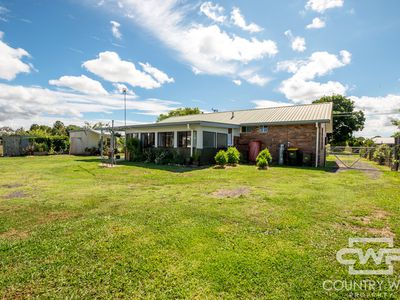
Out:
{"x": 299, "y": 136}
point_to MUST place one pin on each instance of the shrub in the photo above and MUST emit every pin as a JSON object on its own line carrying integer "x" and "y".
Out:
{"x": 262, "y": 163}
{"x": 264, "y": 154}
{"x": 233, "y": 156}
{"x": 163, "y": 156}
{"x": 382, "y": 153}
{"x": 60, "y": 143}
{"x": 40, "y": 147}
{"x": 133, "y": 147}
{"x": 221, "y": 158}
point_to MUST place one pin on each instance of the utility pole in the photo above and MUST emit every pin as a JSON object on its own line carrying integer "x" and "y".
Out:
{"x": 124, "y": 92}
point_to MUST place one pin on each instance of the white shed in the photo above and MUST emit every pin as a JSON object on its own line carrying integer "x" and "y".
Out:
{"x": 80, "y": 140}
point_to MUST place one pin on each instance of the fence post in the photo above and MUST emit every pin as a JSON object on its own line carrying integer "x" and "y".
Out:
{"x": 396, "y": 153}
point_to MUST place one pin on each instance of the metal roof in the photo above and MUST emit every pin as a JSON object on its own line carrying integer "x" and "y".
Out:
{"x": 384, "y": 140}
{"x": 297, "y": 114}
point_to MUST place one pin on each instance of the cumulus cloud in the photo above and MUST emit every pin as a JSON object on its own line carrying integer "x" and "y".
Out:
{"x": 81, "y": 84}
{"x": 378, "y": 111}
{"x": 158, "y": 75}
{"x": 238, "y": 20}
{"x": 120, "y": 88}
{"x": 258, "y": 80}
{"x": 237, "y": 82}
{"x": 298, "y": 43}
{"x": 316, "y": 23}
{"x": 207, "y": 49}
{"x": 322, "y": 5}
{"x": 11, "y": 61}
{"x": 21, "y": 102}
{"x": 301, "y": 87}
{"x": 213, "y": 11}
{"x": 115, "y": 29}
{"x": 109, "y": 66}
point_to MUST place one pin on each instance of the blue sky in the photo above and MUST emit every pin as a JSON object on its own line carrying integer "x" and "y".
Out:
{"x": 69, "y": 60}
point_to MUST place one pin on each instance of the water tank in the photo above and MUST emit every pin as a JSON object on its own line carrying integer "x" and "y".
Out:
{"x": 254, "y": 149}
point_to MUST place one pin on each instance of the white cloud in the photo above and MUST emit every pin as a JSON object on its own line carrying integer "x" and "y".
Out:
{"x": 3, "y": 14}
{"x": 115, "y": 29}
{"x": 269, "y": 103}
{"x": 322, "y": 5}
{"x": 238, "y": 19}
{"x": 301, "y": 87}
{"x": 378, "y": 111}
{"x": 110, "y": 67}
{"x": 258, "y": 80}
{"x": 207, "y": 49}
{"x": 20, "y": 102}
{"x": 120, "y": 88}
{"x": 11, "y": 61}
{"x": 81, "y": 84}
{"x": 298, "y": 43}
{"x": 237, "y": 82}
{"x": 158, "y": 75}
{"x": 316, "y": 23}
{"x": 213, "y": 11}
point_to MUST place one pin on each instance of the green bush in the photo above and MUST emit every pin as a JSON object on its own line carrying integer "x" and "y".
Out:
{"x": 264, "y": 154}
{"x": 221, "y": 158}
{"x": 233, "y": 156}
{"x": 163, "y": 156}
{"x": 382, "y": 153}
{"x": 133, "y": 147}
{"x": 40, "y": 147}
{"x": 262, "y": 163}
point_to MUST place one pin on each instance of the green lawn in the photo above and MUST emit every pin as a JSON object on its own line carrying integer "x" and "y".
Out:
{"x": 70, "y": 229}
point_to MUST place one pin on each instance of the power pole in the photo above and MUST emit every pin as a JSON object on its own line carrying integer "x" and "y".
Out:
{"x": 124, "y": 92}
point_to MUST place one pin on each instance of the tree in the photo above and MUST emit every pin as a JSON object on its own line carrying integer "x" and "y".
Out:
{"x": 396, "y": 123}
{"x": 345, "y": 120}
{"x": 96, "y": 125}
{"x": 6, "y": 131}
{"x": 180, "y": 112}
{"x": 58, "y": 128}
{"x": 71, "y": 127}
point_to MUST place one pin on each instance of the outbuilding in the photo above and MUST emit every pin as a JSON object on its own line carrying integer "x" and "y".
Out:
{"x": 85, "y": 141}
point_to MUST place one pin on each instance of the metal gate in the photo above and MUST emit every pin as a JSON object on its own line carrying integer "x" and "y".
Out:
{"x": 358, "y": 157}
{"x": 350, "y": 157}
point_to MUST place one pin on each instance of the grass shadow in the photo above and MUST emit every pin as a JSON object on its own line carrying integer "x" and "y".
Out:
{"x": 169, "y": 168}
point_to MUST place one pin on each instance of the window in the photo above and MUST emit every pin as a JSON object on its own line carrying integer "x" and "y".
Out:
{"x": 166, "y": 139}
{"x": 147, "y": 139}
{"x": 209, "y": 139}
{"x": 184, "y": 139}
{"x": 230, "y": 137}
{"x": 222, "y": 140}
{"x": 263, "y": 129}
{"x": 246, "y": 129}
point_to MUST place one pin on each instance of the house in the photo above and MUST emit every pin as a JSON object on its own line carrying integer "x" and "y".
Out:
{"x": 390, "y": 141}
{"x": 84, "y": 141}
{"x": 301, "y": 126}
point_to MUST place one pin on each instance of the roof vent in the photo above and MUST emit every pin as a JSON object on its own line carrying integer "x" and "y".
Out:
{"x": 233, "y": 115}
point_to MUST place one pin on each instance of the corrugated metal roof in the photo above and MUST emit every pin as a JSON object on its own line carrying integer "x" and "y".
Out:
{"x": 275, "y": 115}
{"x": 384, "y": 140}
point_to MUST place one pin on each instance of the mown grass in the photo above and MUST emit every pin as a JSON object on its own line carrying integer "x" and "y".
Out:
{"x": 71, "y": 229}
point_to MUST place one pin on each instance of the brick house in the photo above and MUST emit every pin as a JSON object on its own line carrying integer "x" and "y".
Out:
{"x": 300, "y": 126}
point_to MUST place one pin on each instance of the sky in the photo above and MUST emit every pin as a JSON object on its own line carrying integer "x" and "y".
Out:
{"x": 70, "y": 60}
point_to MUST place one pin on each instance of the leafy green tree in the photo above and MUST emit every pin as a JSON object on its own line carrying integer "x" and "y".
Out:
{"x": 6, "y": 131}
{"x": 346, "y": 119}
{"x": 396, "y": 123}
{"x": 180, "y": 112}
{"x": 71, "y": 127}
{"x": 59, "y": 128}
